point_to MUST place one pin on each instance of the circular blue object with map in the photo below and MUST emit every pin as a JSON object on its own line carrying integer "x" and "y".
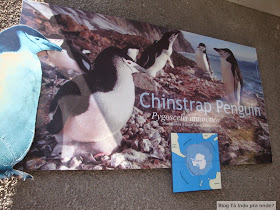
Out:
{"x": 199, "y": 163}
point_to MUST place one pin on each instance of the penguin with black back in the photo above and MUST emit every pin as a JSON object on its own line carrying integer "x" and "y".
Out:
{"x": 88, "y": 112}
{"x": 202, "y": 60}
{"x": 20, "y": 84}
{"x": 231, "y": 74}
{"x": 154, "y": 57}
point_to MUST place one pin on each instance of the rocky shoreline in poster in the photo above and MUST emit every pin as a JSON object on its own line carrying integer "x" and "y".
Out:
{"x": 243, "y": 139}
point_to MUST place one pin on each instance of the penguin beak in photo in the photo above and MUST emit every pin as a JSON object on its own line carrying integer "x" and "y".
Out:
{"x": 138, "y": 68}
{"x": 218, "y": 50}
{"x": 134, "y": 66}
{"x": 177, "y": 32}
{"x": 174, "y": 36}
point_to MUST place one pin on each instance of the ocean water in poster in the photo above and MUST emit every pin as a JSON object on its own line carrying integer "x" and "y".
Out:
{"x": 190, "y": 84}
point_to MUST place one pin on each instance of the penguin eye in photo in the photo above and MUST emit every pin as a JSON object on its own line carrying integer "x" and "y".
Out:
{"x": 128, "y": 62}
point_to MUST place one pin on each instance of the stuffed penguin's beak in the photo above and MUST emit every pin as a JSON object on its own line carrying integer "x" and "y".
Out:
{"x": 52, "y": 46}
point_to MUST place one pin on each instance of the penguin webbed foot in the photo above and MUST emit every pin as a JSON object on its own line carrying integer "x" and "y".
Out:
{"x": 12, "y": 172}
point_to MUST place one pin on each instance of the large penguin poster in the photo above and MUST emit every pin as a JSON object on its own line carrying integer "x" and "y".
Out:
{"x": 118, "y": 89}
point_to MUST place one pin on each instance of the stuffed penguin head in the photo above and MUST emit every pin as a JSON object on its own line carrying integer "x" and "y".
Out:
{"x": 21, "y": 37}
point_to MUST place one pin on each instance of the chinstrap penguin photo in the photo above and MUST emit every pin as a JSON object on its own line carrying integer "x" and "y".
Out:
{"x": 231, "y": 74}
{"x": 89, "y": 111}
{"x": 202, "y": 60}
{"x": 154, "y": 57}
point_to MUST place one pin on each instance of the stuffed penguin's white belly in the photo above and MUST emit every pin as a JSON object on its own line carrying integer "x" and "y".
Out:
{"x": 21, "y": 74}
{"x": 106, "y": 115}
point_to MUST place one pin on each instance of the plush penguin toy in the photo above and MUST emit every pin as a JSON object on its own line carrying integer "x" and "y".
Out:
{"x": 202, "y": 60}
{"x": 88, "y": 112}
{"x": 232, "y": 78}
{"x": 155, "y": 56}
{"x": 20, "y": 84}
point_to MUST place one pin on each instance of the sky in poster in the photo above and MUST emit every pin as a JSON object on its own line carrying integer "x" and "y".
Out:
{"x": 241, "y": 52}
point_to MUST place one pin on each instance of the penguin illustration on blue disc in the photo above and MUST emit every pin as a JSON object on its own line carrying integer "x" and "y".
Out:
{"x": 20, "y": 84}
{"x": 88, "y": 112}
{"x": 202, "y": 60}
{"x": 70, "y": 60}
{"x": 155, "y": 56}
{"x": 231, "y": 74}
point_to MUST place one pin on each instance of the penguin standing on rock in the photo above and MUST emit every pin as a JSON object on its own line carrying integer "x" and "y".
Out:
{"x": 155, "y": 56}
{"x": 202, "y": 60}
{"x": 89, "y": 111}
{"x": 232, "y": 78}
{"x": 20, "y": 84}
